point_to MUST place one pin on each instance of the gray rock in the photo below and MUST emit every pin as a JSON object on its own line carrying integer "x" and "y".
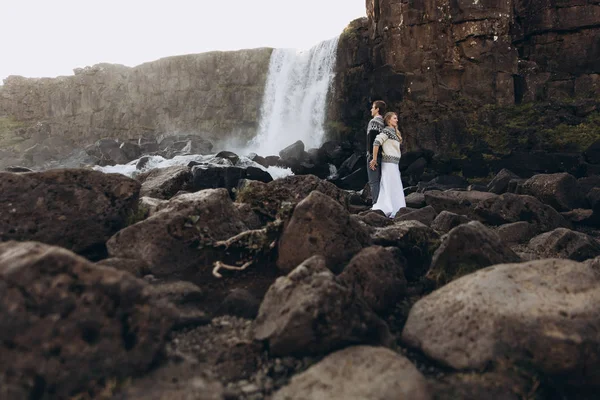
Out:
{"x": 456, "y": 201}
{"x": 560, "y": 191}
{"x": 565, "y": 243}
{"x": 415, "y": 200}
{"x": 424, "y": 215}
{"x": 543, "y": 313}
{"x": 358, "y": 373}
{"x": 447, "y": 220}
{"x": 466, "y": 249}
{"x": 309, "y": 311}
{"x": 516, "y": 232}
{"x": 164, "y": 183}
{"x": 500, "y": 182}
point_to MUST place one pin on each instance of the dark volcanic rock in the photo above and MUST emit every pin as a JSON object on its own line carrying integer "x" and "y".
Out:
{"x": 416, "y": 241}
{"x": 309, "y": 311}
{"x": 560, "y": 191}
{"x": 415, "y": 200}
{"x": 320, "y": 225}
{"x": 543, "y": 314}
{"x": 266, "y": 199}
{"x": 456, "y": 201}
{"x": 466, "y": 249}
{"x": 565, "y": 243}
{"x": 377, "y": 274}
{"x": 239, "y": 303}
{"x": 179, "y": 235}
{"x": 500, "y": 182}
{"x": 164, "y": 183}
{"x": 516, "y": 232}
{"x": 446, "y": 220}
{"x": 74, "y": 208}
{"x": 443, "y": 182}
{"x": 425, "y": 215}
{"x": 511, "y": 207}
{"x": 68, "y": 325}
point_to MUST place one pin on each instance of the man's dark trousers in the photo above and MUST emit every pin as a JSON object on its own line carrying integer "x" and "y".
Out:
{"x": 374, "y": 177}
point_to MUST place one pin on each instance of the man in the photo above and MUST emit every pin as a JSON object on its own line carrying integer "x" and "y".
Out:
{"x": 375, "y": 127}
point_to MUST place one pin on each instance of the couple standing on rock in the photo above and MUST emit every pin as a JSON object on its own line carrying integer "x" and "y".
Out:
{"x": 383, "y": 157}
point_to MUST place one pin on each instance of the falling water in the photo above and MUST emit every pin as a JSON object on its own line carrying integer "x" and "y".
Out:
{"x": 294, "y": 103}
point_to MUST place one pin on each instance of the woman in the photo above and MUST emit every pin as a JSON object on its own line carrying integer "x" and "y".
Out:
{"x": 391, "y": 193}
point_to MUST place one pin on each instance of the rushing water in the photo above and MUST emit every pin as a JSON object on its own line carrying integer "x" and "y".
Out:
{"x": 295, "y": 99}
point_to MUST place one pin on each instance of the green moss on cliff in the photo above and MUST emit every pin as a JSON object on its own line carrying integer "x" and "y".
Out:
{"x": 9, "y": 132}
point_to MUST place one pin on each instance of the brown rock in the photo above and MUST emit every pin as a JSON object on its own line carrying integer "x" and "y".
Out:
{"x": 376, "y": 274}
{"x": 68, "y": 324}
{"x": 565, "y": 243}
{"x": 456, "y": 201}
{"x": 164, "y": 183}
{"x": 560, "y": 191}
{"x": 425, "y": 215}
{"x": 516, "y": 232}
{"x": 74, "y": 208}
{"x": 446, "y": 220}
{"x": 466, "y": 249}
{"x": 541, "y": 313}
{"x": 369, "y": 373}
{"x": 320, "y": 225}
{"x": 310, "y": 311}
{"x": 179, "y": 235}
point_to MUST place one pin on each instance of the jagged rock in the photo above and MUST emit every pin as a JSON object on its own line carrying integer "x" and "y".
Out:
{"x": 369, "y": 373}
{"x": 416, "y": 241}
{"x": 164, "y": 183}
{"x": 175, "y": 145}
{"x": 293, "y": 153}
{"x": 543, "y": 314}
{"x": 240, "y": 303}
{"x": 516, "y": 232}
{"x": 447, "y": 220}
{"x": 309, "y": 311}
{"x": 179, "y": 235}
{"x": 375, "y": 218}
{"x": 565, "y": 243}
{"x": 377, "y": 274}
{"x": 425, "y": 215}
{"x": 266, "y": 199}
{"x": 131, "y": 150}
{"x": 578, "y": 215}
{"x": 499, "y": 184}
{"x": 74, "y": 208}
{"x": 68, "y": 324}
{"x": 443, "y": 182}
{"x": 320, "y": 225}
{"x": 110, "y": 150}
{"x": 228, "y": 177}
{"x": 511, "y": 207}
{"x": 142, "y": 163}
{"x": 415, "y": 200}
{"x": 137, "y": 268}
{"x": 465, "y": 249}
{"x": 560, "y": 191}
{"x": 458, "y": 202}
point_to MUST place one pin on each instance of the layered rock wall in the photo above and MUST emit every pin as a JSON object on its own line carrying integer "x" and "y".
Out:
{"x": 213, "y": 95}
{"x": 438, "y": 61}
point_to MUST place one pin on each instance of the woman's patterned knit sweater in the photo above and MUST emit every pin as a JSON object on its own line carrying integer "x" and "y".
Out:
{"x": 389, "y": 143}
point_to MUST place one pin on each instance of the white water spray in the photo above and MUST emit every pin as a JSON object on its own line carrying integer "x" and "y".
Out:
{"x": 295, "y": 99}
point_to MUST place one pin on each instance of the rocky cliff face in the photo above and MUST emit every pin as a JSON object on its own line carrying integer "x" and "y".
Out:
{"x": 214, "y": 95}
{"x": 438, "y": 62}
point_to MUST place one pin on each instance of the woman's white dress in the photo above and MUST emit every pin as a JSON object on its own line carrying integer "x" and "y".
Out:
{"x": 391, "y": 193}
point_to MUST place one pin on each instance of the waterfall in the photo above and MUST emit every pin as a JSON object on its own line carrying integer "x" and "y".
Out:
{"x": 295, "y": 99}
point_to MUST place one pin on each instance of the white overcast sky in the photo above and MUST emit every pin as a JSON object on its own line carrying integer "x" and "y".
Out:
{"x": 51, "y": 37}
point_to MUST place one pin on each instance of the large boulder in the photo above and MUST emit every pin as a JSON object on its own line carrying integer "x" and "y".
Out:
{"x": 320, "y": 225}
{"x": 465, "y": 249}
{"x": 560, "y": 191}
{"x": 511, "y": 207}
{"x": 447, "y": 220}
{"x": 565, "y": 243}
{"x": 266, "y": 199}
{"x": 499, "y": 184}
{"x": 415, "y": 240}
{"x": 544, "y": 314}
{"x": 377, "y": 274}
{"x": 456, "y": 201}
{"x": 358, "y": 373}
{"x": 180, "y": 234}
{"x": 164, "y": 183}
{"x": 310, "y": 311}
{"x": 73, "y": 208}
{"x": 68, "y": 325}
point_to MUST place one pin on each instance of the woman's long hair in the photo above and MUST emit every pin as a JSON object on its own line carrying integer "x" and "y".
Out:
{"x": 386, "y": 120}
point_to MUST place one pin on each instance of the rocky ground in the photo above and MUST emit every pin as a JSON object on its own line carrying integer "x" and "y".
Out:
{"x": 210, "y": 282}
